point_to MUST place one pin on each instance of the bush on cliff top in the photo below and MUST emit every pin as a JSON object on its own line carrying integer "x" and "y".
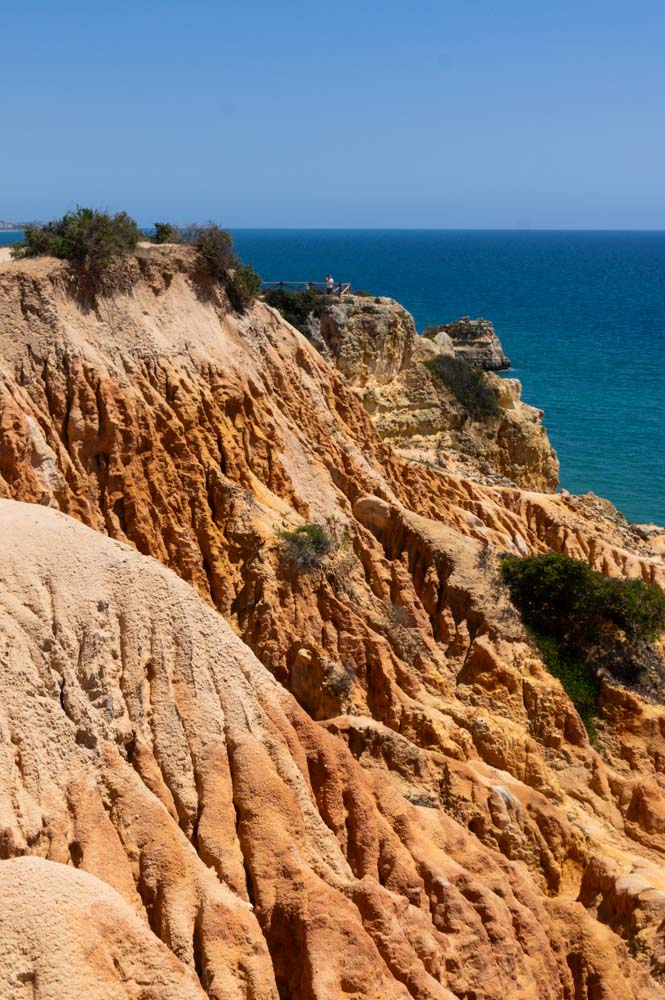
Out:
{"x": 89, "y": 239}
{"x": 216, "y": 258}
{"x": 165, "y": 232}
{"x": 297, "y": 307}
{"x": 583, "y": 621}
{"x": 470, "y": 386}
{"x": 92, "y": 240}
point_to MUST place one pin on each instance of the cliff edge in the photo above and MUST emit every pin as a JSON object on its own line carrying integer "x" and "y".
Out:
{"x": 417, "y": 405}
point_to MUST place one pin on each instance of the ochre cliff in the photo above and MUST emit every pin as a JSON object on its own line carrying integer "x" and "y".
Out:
{"x": 374, "y": 787}
{"x": 374, "y": 344}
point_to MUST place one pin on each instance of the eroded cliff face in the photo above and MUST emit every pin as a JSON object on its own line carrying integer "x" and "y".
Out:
{"x": 374, "y": 343}
{"x": 373, "y": 787}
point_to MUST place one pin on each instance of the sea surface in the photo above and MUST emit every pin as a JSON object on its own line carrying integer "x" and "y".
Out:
{"x": 580, "y": 314}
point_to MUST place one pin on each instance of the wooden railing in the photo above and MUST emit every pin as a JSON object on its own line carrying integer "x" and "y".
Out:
{"x": 339, "y": 288}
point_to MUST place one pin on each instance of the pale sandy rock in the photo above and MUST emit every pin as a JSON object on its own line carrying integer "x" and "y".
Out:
{"x": 445, "y": 343}
{"x": 368, "y": 338}
{"x": 68, "y": 934}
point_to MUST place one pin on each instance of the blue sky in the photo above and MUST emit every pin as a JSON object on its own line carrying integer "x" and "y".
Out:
{"x": 366, "y": 114}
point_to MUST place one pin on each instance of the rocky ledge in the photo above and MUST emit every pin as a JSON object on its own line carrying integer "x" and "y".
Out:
{"x": 475, "y": 341}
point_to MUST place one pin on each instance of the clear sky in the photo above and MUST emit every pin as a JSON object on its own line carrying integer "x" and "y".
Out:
{"x": 497, "y": 113}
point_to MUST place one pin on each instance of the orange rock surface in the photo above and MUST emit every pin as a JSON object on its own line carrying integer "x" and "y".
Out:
{"x": 368, "y": 784}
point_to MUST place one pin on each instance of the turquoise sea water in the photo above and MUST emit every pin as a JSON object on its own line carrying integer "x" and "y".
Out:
{"x": 580, "y": 314}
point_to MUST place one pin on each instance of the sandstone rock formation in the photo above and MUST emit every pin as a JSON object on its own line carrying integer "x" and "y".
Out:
{"x": 374, "y": 343}
{"x": 475, "y": 341}
{"x": 373, "y": 787}
{"x": 144, "y": 745}
{"x": 68, "y": 934}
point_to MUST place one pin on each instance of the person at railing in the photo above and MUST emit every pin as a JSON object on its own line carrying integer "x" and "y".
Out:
{"x": 330, "y": 284}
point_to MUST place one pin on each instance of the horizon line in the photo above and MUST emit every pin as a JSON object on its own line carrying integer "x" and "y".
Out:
{"x": 453, "y": 229}
{"x": 425, "y": 229}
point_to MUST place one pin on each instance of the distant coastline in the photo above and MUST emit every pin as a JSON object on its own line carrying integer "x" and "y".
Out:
{"x": 16, "y": 227}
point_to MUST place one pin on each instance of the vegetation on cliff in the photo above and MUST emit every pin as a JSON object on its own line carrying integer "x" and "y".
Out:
{"x": 92, "y": 240}
{"x": 470, "y": 386}
{"x": 583, "y": 621}
{"x": 89, "y": 239}
{"x": 305, "y": 547}
{"x": 218, "y": 259}
{"x": 165, "y": 232}
{"x": 297, "y": 307}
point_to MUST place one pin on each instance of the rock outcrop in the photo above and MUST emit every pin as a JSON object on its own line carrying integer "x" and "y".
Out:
{"x": 475, "y": 341}
{"x": 374, "y": 343}
{"x": 369, "y": 339}
{"x": 363, "y": 781}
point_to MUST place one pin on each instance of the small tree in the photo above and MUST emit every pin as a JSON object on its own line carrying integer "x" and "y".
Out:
{"x": 215, "y": 249}
{"x": 165, "y": 232}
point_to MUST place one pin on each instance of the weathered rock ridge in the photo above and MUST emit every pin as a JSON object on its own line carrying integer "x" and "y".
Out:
{"x": 379, "y": 791}
{"x": 374, "y": 343}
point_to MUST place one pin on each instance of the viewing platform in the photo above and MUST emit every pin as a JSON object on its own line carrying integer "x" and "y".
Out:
{"x": 338, "y": 288}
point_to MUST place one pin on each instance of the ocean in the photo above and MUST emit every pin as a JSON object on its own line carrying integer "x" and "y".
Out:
{"x": 580, "y": 314}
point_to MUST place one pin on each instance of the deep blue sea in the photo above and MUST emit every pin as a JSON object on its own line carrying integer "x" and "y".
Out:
{"x": 581, "y": 315}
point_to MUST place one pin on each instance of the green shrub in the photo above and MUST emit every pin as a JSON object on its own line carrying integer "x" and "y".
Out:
{"x": 214, "y": 247}
{"x": 579, "y": 682}
{"x": 565, "y": 597}
{"x": 635, "y": 606}
{"x": 89, "y": 239}
{"x": 38, "y": 241}
{"x": 243, "y": 286}
{"x": 470, "y": 386}
{"x": 583, "y": 621}
{"x": 297, "y": 307}
{"x": 306, "y": 546}
{"x": 165, "y": 232}
{"x": 219, "y": 261}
